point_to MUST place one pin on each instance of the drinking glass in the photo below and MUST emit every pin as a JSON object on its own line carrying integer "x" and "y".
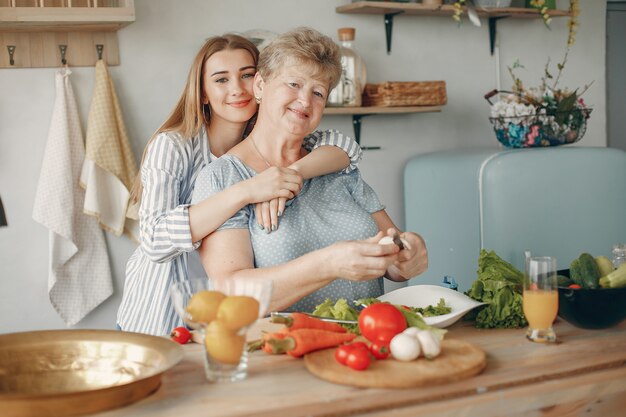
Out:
{"x": 541, "y": 298}
{"x": 225, "y": 353}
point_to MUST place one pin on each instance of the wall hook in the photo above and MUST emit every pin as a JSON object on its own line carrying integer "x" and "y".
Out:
{"x": 11, "y": 49}
{"x": 63, "y": 49}
{"x": 99, "y": 49}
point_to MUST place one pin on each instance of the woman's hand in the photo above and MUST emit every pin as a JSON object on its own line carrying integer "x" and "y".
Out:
{"x": 411, "y": 261}
{"x": 361, "y": 260}
{"x": 268, "y": 212}
{"x": 270, "y": 190}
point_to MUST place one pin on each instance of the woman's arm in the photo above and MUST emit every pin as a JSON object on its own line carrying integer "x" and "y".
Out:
{"x": 321, "y": 161}
{"x": 331, "y": 151}
{"x": 164, "y": 219}
{"x": 228, "y": 254}
{"x": 209, "y": 213}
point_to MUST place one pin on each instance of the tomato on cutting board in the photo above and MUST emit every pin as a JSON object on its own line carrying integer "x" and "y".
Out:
{"x": 379, "y": 350}
{"x": 358, "y": 359}
{"x": 380, "y": 322}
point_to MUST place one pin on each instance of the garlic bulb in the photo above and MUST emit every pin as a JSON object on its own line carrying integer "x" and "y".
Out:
{"x": 430, "y": 343}
{"x": 404, "y": 347}
{"x": 411, "y": 331}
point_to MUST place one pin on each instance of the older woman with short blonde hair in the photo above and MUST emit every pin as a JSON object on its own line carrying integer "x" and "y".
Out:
{"x": 327, "y": 242}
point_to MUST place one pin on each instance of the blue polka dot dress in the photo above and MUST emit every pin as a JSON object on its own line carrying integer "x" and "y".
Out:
{"x": 329, "y": 209}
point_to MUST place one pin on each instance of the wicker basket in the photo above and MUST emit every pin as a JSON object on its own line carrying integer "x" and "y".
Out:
{"x": 561, "y": 128}
{"x": 391, "y": 94}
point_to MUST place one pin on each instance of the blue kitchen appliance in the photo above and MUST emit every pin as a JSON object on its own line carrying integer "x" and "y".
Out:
{"x": 559, "y": 202}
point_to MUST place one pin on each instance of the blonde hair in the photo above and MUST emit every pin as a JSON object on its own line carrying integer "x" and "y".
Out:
{"x": 305, "y": 46}
{"x": 190, "y": 114}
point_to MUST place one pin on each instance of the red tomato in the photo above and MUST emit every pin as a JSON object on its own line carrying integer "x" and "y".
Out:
{"x": 574, "y": 286}
{"x": 359, "y": 345}
{"x": 379, "y": 350}
{"x": 380, "y": 322}
{"x": 358, "y": 359}
{"x": 180, "y": 335}
{"x": 341, "y": 353}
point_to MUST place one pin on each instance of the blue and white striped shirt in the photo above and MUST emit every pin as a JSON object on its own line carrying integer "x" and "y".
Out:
{"x": 168, "y": 175}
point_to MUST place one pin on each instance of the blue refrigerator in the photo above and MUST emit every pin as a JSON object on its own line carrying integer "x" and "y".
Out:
{"x": 559, "y": 202}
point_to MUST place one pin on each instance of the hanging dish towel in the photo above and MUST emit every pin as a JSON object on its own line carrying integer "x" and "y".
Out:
{"x": 79, "y": 276}
{"x": 109, "y": 168}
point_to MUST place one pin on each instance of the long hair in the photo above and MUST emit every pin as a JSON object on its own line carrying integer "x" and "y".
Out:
{"x": 190, "y": 114}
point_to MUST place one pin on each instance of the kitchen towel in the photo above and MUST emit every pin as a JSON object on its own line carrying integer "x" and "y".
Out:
{"x": 109, "y": 168}
{"x": 79, "y": 276}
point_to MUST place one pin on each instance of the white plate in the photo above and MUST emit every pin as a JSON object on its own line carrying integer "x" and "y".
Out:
{"x": 425, "y": 295}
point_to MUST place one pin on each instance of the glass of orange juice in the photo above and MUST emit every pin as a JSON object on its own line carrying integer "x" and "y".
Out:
{"x": 541, "y": 298}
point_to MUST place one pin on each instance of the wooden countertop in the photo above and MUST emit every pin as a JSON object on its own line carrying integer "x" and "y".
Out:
{"x": 585, "y": 372}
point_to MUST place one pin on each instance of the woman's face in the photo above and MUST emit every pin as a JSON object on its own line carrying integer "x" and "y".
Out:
{"x": 293, "y": 99}
{"x": 228, "y": 78}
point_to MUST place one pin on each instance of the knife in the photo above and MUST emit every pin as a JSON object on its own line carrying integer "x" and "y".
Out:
{"x": 398, "y": 241}
{"x": 328, "y": 319}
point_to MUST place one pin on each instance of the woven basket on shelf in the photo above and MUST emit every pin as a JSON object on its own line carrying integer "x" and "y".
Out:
{"x": 391, "y": 94}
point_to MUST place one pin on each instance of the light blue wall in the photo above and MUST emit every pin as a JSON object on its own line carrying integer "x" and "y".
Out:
{"x": 155, "y": 54}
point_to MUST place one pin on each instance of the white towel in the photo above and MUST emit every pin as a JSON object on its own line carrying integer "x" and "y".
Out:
{"x": 110, "y": 168}
{"x": 79, "y": 276}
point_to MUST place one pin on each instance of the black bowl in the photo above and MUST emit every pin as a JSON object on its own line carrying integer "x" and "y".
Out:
{"x": 592, "y": 308}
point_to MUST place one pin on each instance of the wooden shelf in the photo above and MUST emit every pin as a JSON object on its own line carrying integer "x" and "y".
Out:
{"x": 386, "y": 7}
{"x": 55, "y": 19}
{"x": 35, "y": 31}
{"x": 364, "y": 111}
{"x": 391, "y": 9}
{"x": 358, "y": 113}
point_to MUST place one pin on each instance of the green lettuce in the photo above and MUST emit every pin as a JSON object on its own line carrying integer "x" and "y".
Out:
{"x": 338, "y": 310}
{"x": 500, "y": 285}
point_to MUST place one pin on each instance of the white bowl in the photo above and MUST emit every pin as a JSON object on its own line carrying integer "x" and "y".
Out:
{"x": 425, "y": 295}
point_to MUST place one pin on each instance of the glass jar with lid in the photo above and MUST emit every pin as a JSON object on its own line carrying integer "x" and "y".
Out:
{"x": 349, "y": 90}
{"x": 619, "y": 254}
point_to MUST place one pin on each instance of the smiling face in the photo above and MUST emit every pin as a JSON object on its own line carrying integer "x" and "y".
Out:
{"x": 228, "y": 83}
{"x": 293, "y": 99}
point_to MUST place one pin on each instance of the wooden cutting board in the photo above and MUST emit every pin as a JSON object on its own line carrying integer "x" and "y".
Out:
{"x": 458, "y": 359}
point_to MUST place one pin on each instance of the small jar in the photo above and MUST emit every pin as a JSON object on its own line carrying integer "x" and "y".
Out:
{"x": 349, "y": 90}
{"x": 619, "y": 254}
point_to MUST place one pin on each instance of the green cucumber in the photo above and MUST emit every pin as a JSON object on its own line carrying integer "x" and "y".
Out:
{"x": 589, "y": 271}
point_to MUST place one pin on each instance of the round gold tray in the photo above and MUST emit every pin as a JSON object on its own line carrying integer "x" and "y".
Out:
{"x": 74, "y": 372}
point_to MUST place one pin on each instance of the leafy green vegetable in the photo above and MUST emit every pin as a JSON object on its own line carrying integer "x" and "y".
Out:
{"x": 500, "y": 285}
{"x": 431, "y": 311}
{"x": 338, "y": 310}
{"x": 343, "y": 311}
{"x": 428, "y": 311}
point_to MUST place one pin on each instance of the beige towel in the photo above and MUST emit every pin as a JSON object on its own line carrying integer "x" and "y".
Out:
{"x": 79, "y": 276}
{"x": 110, "y": 168}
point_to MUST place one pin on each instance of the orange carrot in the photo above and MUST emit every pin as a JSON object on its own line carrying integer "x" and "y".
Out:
{"x": 266, "y": 347}
{"x": 300, "y": 341}
{"x": 304, "y": 321}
